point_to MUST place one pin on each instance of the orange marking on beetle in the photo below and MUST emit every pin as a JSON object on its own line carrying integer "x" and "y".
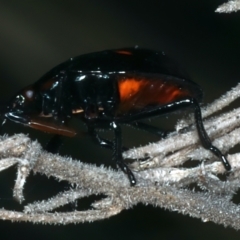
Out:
{"x": 138, "y": 93}
{"x": 172, "y": 94}
{"x": 50, "y": 127}
{"x": 129, "y": 87}
{"x": 124, "y": 52}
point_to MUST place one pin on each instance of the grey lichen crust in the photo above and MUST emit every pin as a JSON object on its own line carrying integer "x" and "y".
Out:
{"x": 229, "y": 7}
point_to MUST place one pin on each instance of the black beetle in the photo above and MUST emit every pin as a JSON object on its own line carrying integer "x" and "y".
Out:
{"x": 106, "y": 89}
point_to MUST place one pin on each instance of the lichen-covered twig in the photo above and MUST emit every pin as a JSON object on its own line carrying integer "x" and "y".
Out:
{"x": 230, "y": 6}
{"x": 161, "y": 180}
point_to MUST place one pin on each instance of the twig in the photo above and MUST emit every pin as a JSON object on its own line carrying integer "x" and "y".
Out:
{"x": 230, "y": 6}
{"x": 161, "y": 180}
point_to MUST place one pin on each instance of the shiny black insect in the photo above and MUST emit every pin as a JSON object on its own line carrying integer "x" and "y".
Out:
{"x": 107, "y": 89}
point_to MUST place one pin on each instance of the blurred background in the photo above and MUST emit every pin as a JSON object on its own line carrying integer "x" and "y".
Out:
{"x": 37, "y": 35}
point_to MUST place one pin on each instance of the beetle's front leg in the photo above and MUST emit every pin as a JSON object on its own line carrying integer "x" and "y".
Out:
{"x": 117, "y": 154}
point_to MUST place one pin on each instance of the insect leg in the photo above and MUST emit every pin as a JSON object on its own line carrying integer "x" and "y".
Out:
{"x": 117, "y": 155}
{"x": 206, "y": 142}
{"x": 187, "y": 102}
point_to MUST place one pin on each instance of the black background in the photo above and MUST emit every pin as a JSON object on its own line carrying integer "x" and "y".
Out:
{"x": 37, "y": 35}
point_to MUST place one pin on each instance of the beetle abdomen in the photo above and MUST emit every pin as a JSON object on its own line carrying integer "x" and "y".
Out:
{"x": 144, "y": 91}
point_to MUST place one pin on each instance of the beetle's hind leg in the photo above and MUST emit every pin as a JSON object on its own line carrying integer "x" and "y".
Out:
{"x": 187, "y": 102}
{"x": 206, "y": 142}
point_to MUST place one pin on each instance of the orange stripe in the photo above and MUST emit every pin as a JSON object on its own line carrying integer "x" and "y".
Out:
{"x": 124, "y": 52}
{"x": 136, "y": 94}
{"x": 50, "y": 127}
{"x": 129, "y": 87}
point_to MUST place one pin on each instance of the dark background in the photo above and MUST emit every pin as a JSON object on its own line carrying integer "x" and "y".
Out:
{"x": 37, "y": 35}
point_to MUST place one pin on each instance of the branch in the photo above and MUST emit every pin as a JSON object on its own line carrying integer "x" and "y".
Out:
{"x": 230, "y": 6}
{"x": 161, "y": 180}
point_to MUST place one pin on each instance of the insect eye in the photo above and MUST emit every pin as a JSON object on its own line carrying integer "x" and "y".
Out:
{"x": 29, "y": 94}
